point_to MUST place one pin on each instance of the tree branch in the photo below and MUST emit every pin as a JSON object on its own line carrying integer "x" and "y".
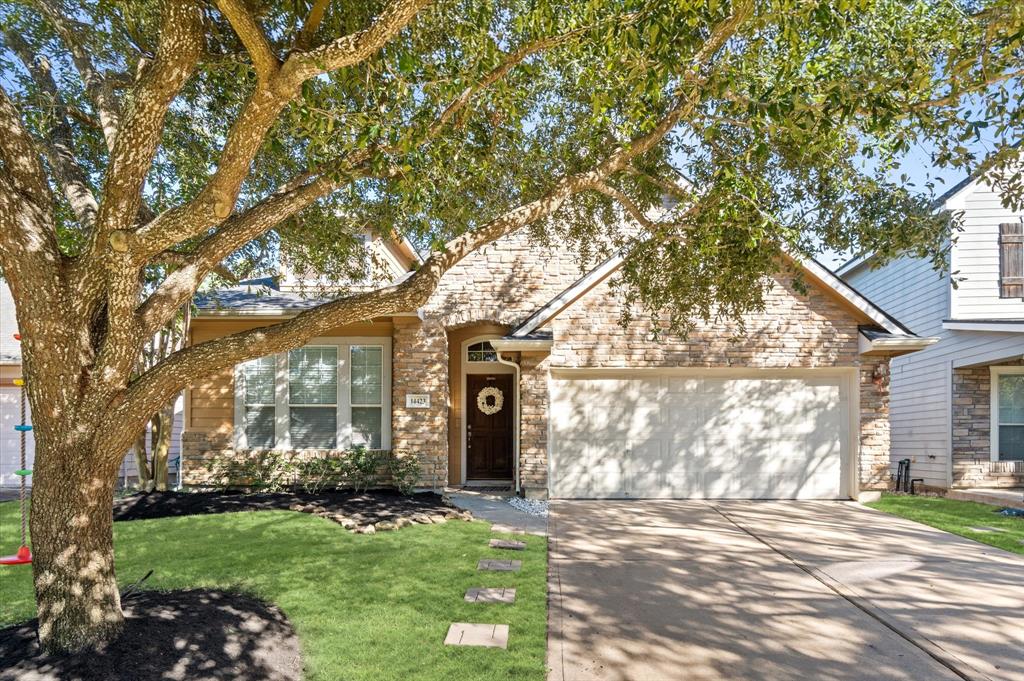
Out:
{"x": 627, "y": 204}
{"x": 355, "y": 47}
{"x": 157, "y": 385}
{"x": 59, "y": 143}
{"x": 216, "y": 200}
{"x": 96, "y": 87}
{"x": 264, "y": 60}
{"x": 305, "y": 188}
{"x": 108, "y": 273}
{"x": 21, "y": 163}
{"x": 313, "y": 19}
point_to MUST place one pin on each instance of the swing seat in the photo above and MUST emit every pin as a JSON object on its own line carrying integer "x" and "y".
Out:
{"x": 22, "y": 557}
{"x": 23, "y": 429}
{"x": 23, "y": 472}
{"x": 19, "y": 381}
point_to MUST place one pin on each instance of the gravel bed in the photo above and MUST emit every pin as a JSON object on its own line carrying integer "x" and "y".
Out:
{"x": 537, "y": 507}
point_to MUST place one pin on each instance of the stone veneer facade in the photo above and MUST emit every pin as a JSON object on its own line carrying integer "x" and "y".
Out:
{"x": 507, "y": 281}
{"x": 972, "y": 430}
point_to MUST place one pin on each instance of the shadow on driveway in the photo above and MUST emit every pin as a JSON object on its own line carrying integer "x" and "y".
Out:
{"x": 748, "y": 590}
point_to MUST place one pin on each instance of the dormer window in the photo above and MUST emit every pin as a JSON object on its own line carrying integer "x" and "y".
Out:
{"x": 481, "y": 352}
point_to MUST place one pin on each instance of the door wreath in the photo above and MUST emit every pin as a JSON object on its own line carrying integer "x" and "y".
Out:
{"x": 483, "y": 403}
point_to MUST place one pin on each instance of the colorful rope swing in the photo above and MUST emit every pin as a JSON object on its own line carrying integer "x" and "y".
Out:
{"x": 24, "y": 555}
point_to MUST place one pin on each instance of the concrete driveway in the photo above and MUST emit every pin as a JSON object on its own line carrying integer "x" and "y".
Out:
{"x": 650, "y": 590}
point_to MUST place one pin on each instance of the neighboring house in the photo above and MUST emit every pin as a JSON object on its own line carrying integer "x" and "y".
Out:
{"x": 958, "y": 407}
{"x": 517, "y": 372}
{"x": 10, "y": 408}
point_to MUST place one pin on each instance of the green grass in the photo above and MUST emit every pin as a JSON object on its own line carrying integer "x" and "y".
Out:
{"x": 958, "y": 517}
{"x": 365, "y": 607}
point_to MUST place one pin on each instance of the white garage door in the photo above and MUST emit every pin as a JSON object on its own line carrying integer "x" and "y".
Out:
{"x": 777, "y": 435}
{"x": 10, "y": 457}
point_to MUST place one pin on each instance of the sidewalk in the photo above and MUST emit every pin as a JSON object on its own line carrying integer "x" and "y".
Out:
{"x": 494, "y": 509}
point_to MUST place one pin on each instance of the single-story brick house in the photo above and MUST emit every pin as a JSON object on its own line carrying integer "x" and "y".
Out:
{"x": 517, "y": 372}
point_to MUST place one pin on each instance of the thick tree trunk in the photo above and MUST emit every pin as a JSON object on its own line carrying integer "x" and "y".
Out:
{"x": 72, "y": 545}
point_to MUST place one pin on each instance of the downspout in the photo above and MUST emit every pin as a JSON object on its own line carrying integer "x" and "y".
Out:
{"x": 516, "y": 428}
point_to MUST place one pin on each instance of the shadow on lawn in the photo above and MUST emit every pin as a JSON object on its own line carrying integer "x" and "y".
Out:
{"x": 196, "y": 635}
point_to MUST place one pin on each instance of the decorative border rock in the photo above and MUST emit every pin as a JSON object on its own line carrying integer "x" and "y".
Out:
{"x": 417, "y": 518}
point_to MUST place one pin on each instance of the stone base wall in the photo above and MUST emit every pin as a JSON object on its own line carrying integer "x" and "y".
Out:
{"x": 988, "y": 474}
{"x": 874, "y": 467}
{"x": 533, "y": 422}
{"x": 420, "y": 366}
{"x": 972, "y": 433}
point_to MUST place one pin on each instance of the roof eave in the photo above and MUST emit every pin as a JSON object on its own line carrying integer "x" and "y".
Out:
{"x": 893, "y": 346}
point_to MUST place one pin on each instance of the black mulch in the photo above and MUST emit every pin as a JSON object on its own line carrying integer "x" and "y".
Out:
{"x": 196, "y": 635}
{"x": 364, "y": 507}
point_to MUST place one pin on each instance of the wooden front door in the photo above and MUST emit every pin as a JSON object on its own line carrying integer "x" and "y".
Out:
{"x": 489, "y": 436}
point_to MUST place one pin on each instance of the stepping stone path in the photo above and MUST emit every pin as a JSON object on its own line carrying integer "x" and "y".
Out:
{"x": 499, "y": 565}
{"x": 489, "y": 635}
{"x": 484, "y": 635}
{"x": 499, "y": 595}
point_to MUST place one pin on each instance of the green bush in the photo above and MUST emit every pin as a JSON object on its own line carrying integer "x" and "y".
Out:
{"x": 404, "y": 470}
{"x": 276, "y": 471}
{"x": 360, "y": 467}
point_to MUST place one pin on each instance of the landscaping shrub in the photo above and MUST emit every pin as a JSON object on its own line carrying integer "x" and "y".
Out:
{"x": 405, "y": 471}
{"x": 276, "y": 471}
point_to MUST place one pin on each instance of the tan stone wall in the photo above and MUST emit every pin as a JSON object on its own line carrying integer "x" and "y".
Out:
{"x": 793, "y": 331}
{"x": 972, "y": 432}
{"x": 504, "y": 282}
{"x": 420, "y": 365}
{"x": 533, "y": 419}
{"x": 874, "y": 467}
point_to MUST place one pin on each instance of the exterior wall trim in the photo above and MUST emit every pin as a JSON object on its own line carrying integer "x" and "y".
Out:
{"x": 1008, "y": 326}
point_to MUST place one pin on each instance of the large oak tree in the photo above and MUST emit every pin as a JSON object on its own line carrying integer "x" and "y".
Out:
{"x": 149, "y": 146}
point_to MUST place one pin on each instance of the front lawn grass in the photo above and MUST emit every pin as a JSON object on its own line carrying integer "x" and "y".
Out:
{"x": 958, "y": 517}
{"x": 372, "y": 607}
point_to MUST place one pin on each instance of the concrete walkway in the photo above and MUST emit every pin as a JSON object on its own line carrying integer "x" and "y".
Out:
{"x": 775, "y": 590}
{"x": 494, "y": 509}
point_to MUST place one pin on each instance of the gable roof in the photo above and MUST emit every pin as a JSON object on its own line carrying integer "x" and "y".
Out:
{"x": 829, "y": 280}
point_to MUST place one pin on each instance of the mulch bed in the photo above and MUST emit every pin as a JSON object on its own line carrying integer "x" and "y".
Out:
{"x": 365, "y": 508}
{"x": 197, "y": 635}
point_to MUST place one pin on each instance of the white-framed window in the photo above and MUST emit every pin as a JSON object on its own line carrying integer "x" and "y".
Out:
{"x": 1007, "y": 413}
{"x": 313, "y": 397}
{"x": 367, "y": 392}
{"x": 331, "y": 394}
{"x": 258, "y": 411}
{"x": 481, "y": 352}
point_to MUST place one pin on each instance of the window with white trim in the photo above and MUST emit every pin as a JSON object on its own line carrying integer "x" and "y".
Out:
{"x": 367, "y": 372}
{"x": 259, "y": 410}
{"x": 313, "y": 397}
{"x": 1008, "y": 413}
{"x": 331, "y": 394}
{"x": 481, "y": 352}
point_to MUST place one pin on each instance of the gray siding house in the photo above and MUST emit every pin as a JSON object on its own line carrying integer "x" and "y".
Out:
{"x": 957, "y": 409}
